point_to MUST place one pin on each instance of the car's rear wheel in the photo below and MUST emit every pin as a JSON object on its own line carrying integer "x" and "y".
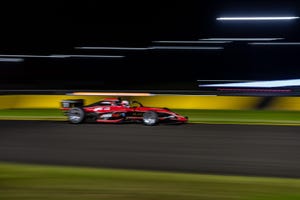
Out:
{"x": 76, "y": 115}
{"x": 150, "y": 118}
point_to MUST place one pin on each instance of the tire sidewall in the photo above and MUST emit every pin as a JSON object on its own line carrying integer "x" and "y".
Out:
{"x": 153, "y": 115}
{"x": 79, "y": 112}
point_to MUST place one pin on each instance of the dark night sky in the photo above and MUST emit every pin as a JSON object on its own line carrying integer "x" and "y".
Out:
{"x": 56, "y": 27}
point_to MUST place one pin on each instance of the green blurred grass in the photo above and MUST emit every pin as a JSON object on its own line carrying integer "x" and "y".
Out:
{"x": 195, "y": 116}
{"x": 37, "y": 182}
{"x": 34, "y": 114}
{"x": 243, "y": 116}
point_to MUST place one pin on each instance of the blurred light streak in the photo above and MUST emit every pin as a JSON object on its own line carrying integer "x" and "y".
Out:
{"x": 152, "y": 48}
{"x": 259, "y": 84}
{"x": 274, "y": 43}
{"x": 11, "y": 59}
{"x": 112, "y": 94}
{"x": 224, "y": 80}
{"x": 255, "y": 18}
{"x": 241, "y": 39}
{"x": 252, "y": 90}
{"x": 186, "y": 48}
{"x": 61, "y": 56}
{"x": 24, "y": 56}
{"x": 85, "y": 56}
{"x": 137, "y": 94}
{"x": 112, "y": 48}
{"x": 192, "y": 42}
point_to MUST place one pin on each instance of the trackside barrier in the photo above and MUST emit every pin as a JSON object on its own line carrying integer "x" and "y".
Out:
{"x": 175, "y": 102}
{"x": 200, "y": 102}
{"x": 285, "y": 103}
{"x": 37, "y": 101}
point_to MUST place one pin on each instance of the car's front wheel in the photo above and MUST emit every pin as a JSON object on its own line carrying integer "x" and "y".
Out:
{"x": 150, "y": 118}
{"x": 76, "y": 115}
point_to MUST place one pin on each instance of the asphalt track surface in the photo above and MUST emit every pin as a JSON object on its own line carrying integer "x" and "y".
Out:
{"x": 202, "y": 148}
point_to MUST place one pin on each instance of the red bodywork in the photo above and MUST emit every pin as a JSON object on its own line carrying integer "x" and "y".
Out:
{"x": 111, "y": 110}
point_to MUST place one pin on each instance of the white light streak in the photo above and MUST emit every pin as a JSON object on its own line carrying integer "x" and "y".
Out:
{"x": 58, "y": 56}
{"x": 274, "y": 43}
{"x": 11, "y": 59}
{"x": 24, "y": 56}
{"x": 258, "y": 84}
{"x": 112, "y": 48}
{"x": 186, "y": 48}
{"x": 193, "y": 42}
{"x": 61, "y": 56}
{"x": 255, "y": 18}
{"x": 85, "y": 56}
{"x": 241, "y": 39}
{"x": 152, "y": 48}
{"x": 223, "y": 80}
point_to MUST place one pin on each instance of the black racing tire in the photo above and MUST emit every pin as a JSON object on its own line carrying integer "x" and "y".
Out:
{"x": 76, "y": 115}
{"x": 150, "y": 118}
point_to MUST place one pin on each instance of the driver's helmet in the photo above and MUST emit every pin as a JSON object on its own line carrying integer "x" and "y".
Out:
{"x": 125, "y": 103}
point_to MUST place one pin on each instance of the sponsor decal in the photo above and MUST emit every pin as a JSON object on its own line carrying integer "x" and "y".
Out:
{"x": 108, "y": 115}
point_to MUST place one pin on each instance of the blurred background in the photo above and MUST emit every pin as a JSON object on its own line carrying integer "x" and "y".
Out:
{"x": 149, "y": 45}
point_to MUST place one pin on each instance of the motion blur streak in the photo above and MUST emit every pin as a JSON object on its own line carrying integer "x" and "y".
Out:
{"x": 261, "y": 84}
{"x": 242, "y": 39}
{"x": 274, "y": 43}
{"x": 62, "y": 56}
{"x": 151, "y": 48}
{"x": 186, "y": 48}
{"x": 112, "y": 48}
{"x": 11, "y": 59}
{"x": 254, "y": 18}
{"x": 178, "y": 102}
{"x": 252, "y": 90}
{"x": 87, "y": 56}
{"x": 192, "y": 42}
{"x": 112, "y": 94}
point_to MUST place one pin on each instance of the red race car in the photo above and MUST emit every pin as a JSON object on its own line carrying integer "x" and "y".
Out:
{"x": 115, "y": 110}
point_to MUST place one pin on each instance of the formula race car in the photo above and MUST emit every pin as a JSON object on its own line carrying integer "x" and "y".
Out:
{"x": 115, "y": 110}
